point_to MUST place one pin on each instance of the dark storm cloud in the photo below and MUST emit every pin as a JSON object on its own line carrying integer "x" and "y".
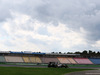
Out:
{"x": 74, "y": 13}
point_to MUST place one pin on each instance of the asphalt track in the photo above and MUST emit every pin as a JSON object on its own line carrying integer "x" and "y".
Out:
{"x": 37, "y": 66}
{"x": 86, "y": 67}
{"x": 41, "y": 66}
{"x": 89, "y": 72}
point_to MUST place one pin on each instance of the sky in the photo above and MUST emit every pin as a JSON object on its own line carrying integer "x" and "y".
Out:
{"x": 49, "y": 25}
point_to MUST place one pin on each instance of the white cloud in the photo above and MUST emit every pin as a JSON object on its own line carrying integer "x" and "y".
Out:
{"x": 68, "y": 38}
{"x": 96, "y": 44}
{"x": 49, "y": 25}
{"x": 60, "y": 35}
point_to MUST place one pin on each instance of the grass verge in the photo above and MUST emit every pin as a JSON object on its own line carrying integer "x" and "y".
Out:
{"x": 36, "y": 71}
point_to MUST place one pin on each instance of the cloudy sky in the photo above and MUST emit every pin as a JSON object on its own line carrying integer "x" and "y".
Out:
{"x": 49, "y": 25}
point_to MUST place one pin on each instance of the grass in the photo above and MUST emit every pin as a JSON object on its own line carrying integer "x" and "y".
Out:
{"x": 36, "y": 71}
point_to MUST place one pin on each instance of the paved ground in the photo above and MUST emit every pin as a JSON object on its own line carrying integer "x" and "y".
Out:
{"x": 23, "y": 66}
{"x": 86, "y": 67}
{"x": 90, "y": 72}
{"x": 40, "y": 66}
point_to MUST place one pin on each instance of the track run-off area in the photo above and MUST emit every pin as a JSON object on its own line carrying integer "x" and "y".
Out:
{"x": 89, "y": 72}
{"x": 12, "y": 69}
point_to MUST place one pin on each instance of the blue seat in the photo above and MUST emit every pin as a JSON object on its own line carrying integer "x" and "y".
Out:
{"x": 95, "y": 60}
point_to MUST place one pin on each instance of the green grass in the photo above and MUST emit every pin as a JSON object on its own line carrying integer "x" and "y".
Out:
{"x": 36, "y": 71}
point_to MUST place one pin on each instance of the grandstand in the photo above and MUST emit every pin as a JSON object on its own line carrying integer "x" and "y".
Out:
{"x": 95, "y": 60}
{"x": 35, "y": 59}
{"x": 83, "y": 61}
{"x": 49, "y": 59}
{"x": 63, "y": 60}
{"x": 2, "y": 59}
{"x": 71, "y": 60}
{"x": 13, "y": 58}
{"x": 45, "y": 58}
{"x": 26, "y": 59}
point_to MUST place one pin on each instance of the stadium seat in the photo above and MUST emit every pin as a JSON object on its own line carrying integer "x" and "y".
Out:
{"x": 71, "y": 60}
{"x": 49, "y": 59}
{"x": 13, "y": 59}
{"x": 2, "y": 59}
{"x": 35, "y": 59}
{"x": 83, "y": 61}
{"x": 95, "y": 60}
{"x": 26, "y": 59}
{"x": 63, "y": 60}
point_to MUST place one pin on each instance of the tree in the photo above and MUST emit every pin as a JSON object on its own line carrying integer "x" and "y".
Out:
{"x": 59, "y": 52}
{"x": 84, "y": 52}
{"x": 69, "y": 53}
{"x": 90, "y": 52}
{"x": 77, "y": 52}
{"x": 98, "y": 53}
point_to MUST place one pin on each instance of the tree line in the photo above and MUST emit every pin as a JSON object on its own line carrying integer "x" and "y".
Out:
{"x": 85, "y": 52}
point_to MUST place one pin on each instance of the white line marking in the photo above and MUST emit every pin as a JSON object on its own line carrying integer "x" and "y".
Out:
{"x": 93, "y": 73}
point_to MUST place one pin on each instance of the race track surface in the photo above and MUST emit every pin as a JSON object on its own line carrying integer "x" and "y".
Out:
{"x": 23, "y": 66}
{"x": 90, "y": 72}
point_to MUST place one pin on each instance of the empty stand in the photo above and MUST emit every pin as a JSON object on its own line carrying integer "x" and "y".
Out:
{"x": 49, "y": 59}
{"x": 63, "y": 60}
{"x": 35, "y": 59}
{"x": 13, "y": 59}
{"x": 95, "y": 60}
{"x": 83, "y": 61}
{"x": 26, "y": 59}
{"x": 38, "y": 60}
{"x": 2, "y": 59}
{"x": 71, "y": 60}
